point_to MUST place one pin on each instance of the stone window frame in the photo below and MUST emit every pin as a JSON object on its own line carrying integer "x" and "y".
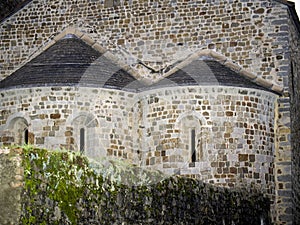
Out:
{"x": 89, "y": 123}
{"x": 185, "y": 123}
{"x": 17, "y": 125}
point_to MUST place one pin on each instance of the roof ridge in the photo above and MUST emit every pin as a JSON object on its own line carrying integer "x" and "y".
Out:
{"x": 228, "y": 63}
{"x": 73, "y": 32}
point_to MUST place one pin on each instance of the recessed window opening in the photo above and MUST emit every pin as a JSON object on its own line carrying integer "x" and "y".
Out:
{"x": 193, "y": 145}
{"x": 19, "y": 128}
{"x": 26, "y": 135}
{"x": 82, "y": 140}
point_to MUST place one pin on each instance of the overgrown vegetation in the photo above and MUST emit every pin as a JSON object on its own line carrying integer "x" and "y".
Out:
{"x": 65, "y": 188}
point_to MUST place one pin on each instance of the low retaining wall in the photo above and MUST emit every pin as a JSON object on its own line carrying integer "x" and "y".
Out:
{"x": 65, "y": 188}
{"x": 11, "y": 186}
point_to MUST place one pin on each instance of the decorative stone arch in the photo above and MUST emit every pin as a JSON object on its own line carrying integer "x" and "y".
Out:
{"x": 193, "y": 131}
{"x": 82, "y": 134}
{"x": 16, "y": 130}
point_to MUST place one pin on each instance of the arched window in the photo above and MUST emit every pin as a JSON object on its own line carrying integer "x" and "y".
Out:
{"x": 85, "y": 137}
{"x": 19, "y": 129}
{"x": 190, "y": 138}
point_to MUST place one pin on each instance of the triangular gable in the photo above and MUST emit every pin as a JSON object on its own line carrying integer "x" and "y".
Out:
{"x": 73, "y": 58}
{"x": 206, "y": 72}
{"x": 71, "y": 61}
{"x": 207, "y": 67}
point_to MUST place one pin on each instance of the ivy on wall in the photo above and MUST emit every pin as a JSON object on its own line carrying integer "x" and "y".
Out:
{"x": 66, "y": 188}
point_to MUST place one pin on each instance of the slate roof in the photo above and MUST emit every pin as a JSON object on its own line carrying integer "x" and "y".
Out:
{"x": 69, "y": 62}
{"x": 72, "y": 62}
{"x": 9, "y": 7}
{"x": 206, "y": 72}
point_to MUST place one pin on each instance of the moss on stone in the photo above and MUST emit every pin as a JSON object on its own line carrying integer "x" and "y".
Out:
{"x": 63, "y": 188}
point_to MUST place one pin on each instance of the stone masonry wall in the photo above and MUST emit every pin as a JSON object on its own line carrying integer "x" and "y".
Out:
{"x": 48, "y": 187}
{"x": 65, "y": 188}
{"x": 285, "y": 171}
{"x": 253, "y": 34}
{"x": 295, "y": 115}
{"x": 11, "y": 186}
{"x": 235, "y": 142}
{"x": 51, "y": 112}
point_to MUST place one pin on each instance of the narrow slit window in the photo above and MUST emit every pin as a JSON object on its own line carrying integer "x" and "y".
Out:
{"x": 193, "y": 145}
{"x": 26, "y": 136}
{"x": 82, "y": 140}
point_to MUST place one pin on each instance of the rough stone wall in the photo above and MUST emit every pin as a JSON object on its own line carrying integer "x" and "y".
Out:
{"x": 235, "y": 142}
{"x": 50, "y": 114}
{"x": 283, "y": 179}
{"x": 63, "y": 188}
{"x": 295, "y": 115}
{"x": 287, "y": 109}
{"x": 236, "y": 145}
{"x": 11, "y": 186}
{"x": 253, "y": 34}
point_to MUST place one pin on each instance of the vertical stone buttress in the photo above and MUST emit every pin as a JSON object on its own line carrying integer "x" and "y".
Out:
{"x": 283, "y": 203}
{"x": 294, "y": 87}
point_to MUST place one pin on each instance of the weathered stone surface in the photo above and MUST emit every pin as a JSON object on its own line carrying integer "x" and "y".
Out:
{"x": 152, "y": 128}
{"x": 164, "y": 42}
{"x": 294, "y": 84}
{"x": 11, "y": 186}
{"x": 257, "y": 38}
{"x": 106, "y": 193}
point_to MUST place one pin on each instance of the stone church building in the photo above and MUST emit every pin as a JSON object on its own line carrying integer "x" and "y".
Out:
{"x": 207, "y": 89}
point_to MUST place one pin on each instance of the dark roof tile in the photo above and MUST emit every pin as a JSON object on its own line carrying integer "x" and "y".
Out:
{"x": 72, "y": 62}
{"x": 69, "y": 62}
{"x": 208, "y": 73}
{"x": 9, "y": 7}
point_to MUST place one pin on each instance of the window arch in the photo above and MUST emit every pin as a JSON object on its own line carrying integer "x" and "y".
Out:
{"x": 191, "y": 138}
{"x": 84, "y": 133}
{"x": 19, "y": 128}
